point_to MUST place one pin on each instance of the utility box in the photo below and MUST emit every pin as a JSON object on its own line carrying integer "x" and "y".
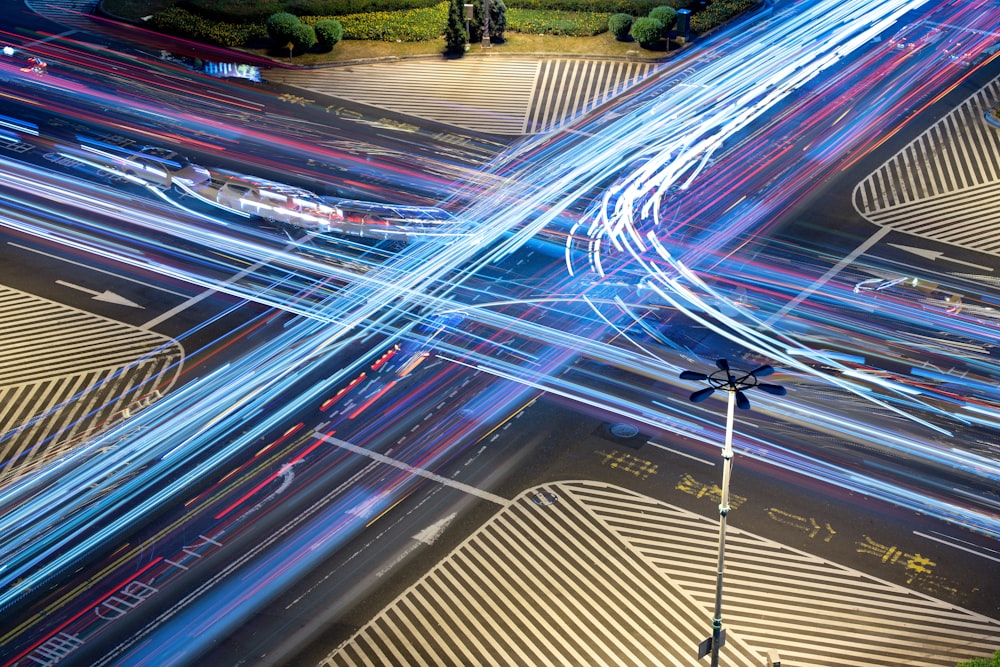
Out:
{"x": 683, "y": 22}
{"x": 773, "y": 660}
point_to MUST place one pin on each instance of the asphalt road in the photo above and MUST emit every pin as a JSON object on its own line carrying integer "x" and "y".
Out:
{"x": 551, "y": 441}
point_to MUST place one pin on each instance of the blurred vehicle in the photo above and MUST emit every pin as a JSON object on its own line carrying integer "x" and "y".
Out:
{"x": 151, "y": 165}
{"x": 286, "y": 204}
{"x": 272, "y": 201}
{"x": 23, "y": 61}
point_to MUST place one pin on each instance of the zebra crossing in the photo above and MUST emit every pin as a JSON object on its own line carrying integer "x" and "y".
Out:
{"x": 506, "y": 96}
{"x": 69, "y": 13}
{"x": 64, "y": 373}
{"x": 945, "y": 184}
{"x": 604, "y": 576}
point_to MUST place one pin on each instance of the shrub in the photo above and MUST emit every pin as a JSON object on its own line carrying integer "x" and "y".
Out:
{"x": 455, "y": 37}
{"x": 575, "y": 24}
{"x": 619, "y": 25}
{"x": 498, "y": 20}
{"x": 280, "y": 27}
{"x": 665, "y": 15}
{"x": 328, "y": 33}
{"x": 982, "y": 662}
{"x": 412, "y": 25}
{"x": 303, "y": 37}
{"x": 244, "y": 11}
{"x": 647, "y": 32}
{"x": 632, "y": 7}
{"x": 718, "y": 13}
{"x": 178, "y": 21}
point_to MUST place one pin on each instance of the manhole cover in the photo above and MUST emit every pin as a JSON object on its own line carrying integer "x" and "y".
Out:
{"x": 542, "y": 498}
{"x": 624, "y": 430}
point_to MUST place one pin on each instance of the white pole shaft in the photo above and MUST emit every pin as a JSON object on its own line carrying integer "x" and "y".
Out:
{"x": 727, "y": 469}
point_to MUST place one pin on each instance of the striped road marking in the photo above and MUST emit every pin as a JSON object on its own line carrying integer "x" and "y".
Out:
{"x": 945, "y": 184}
{"x": 64, "y": 372}
{"x": 490, "y": 95}
{"x": 604, "y": 576}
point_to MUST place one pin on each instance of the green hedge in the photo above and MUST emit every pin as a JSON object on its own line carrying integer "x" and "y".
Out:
{"x": 412, "y": 25}
{"x": 574, "y": 24}
{"x": 718, "y": 13}
{"x": 620, "y": 25}
{"x": 633, "y": 7}
{"x": 178, "y": 21}
{"x": 245, "y": 11}
{"x": 424, "y": 23}
{"x": 328, "y": 33}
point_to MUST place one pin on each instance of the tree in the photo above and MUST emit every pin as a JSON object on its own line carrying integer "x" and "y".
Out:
{"x": 498, "y": 20}
{"x": 328, "y": 33}
{"x": 665, "y": 15}
{"x": 280, "y": 26}
{"x": 619, "y": 25}
{"x": 454, "y": 32}
{"x": 982, "y": 662}
{"x": 648, "y": 32}
{"x": 303, "y": 37}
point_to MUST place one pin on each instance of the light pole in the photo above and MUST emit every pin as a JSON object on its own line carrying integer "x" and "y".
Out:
{"x": 486, "y": 25}
{"x": 468, "y": 18}
{"x": 735, "y": 382}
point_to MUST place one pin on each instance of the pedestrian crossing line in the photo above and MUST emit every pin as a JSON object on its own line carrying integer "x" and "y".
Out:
{"x": 801, "y": 592}
{"x": 568, "y": 88}
{"x": 506, "y": 96}
{"x": 65, "y": 373}
{"x": 481, "y": 94}
{"x": 968, "y": 218}
{"x": 943, "y": 184}
{"x": 605, "y": 576}
{"x": 539, "y": 585}
{"x": 70, "y": 13}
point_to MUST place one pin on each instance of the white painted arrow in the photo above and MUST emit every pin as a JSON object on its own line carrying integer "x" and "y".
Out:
{"x": 937, "y": 254}
{"x": 107, "y": 295}
{"x": 433, "y": 531}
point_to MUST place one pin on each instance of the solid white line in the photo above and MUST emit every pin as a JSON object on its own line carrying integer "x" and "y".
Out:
{"x": 674, "y": 451}
{"x": 94, "y": 268}
{"x": 47, "y": 39}
{"x": 199, "y": 297}
{"x": 382, "y": 458}
{"x": 860, "y": 250}
{"x": 956, "y": 546}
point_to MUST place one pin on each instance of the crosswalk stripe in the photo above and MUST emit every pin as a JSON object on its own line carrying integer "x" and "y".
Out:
{"x": 952, "y": 162}
{"x": 509, "y": 96}
{"x": 70, "y": 13}
{"x": 605, "y": 576}
{"x": 63, "y": 372}
{"x": 905, "y": 627}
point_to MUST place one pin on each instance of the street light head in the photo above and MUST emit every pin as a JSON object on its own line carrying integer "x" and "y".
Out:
{"x": 773, "y": 389}
{"x": 735, "y": 381}
{"x": 702, "y": 394}
{"x": 742, "y": 402}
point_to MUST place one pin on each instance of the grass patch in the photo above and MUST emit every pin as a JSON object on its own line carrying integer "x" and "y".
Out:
{"x": 603, "y": 45}
{"x": 349, "y": 50}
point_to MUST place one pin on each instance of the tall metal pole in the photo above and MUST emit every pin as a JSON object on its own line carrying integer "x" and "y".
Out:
{"x": 727, "y": 471}
{"x": 486, "y": 24}
{"x": 735, "y": 383}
